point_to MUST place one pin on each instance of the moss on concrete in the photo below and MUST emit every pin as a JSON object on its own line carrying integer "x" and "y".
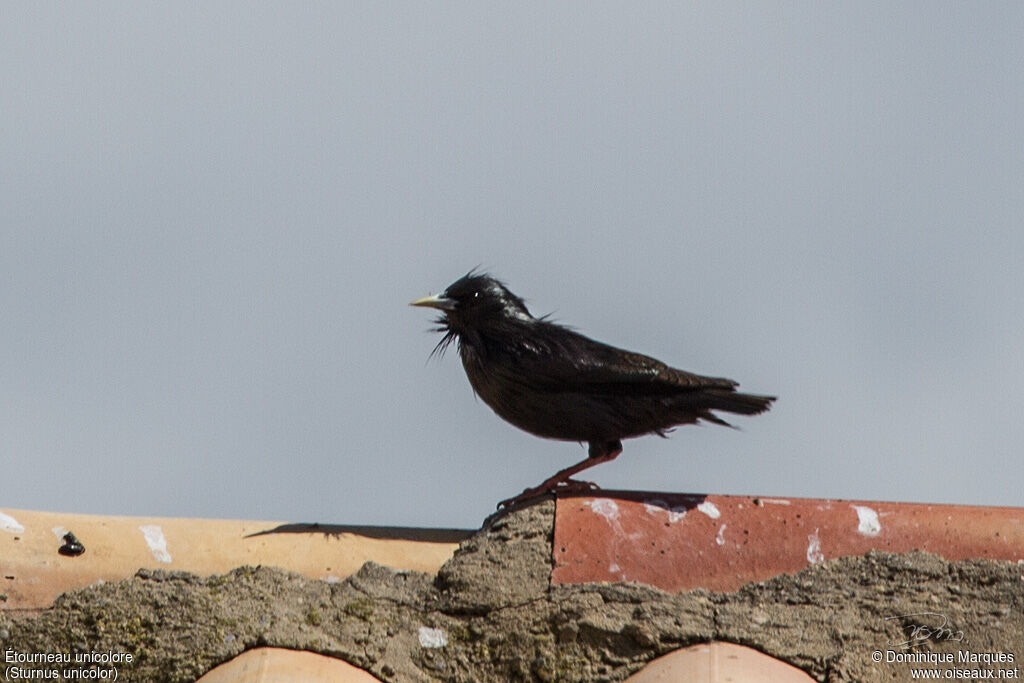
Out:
{"x": 502, "y": 621}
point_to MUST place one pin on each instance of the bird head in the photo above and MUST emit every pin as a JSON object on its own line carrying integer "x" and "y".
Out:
{"x": 474, "y": 303}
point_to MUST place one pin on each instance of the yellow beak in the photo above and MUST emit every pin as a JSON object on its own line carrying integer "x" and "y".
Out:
{"x": 434, "y": 301}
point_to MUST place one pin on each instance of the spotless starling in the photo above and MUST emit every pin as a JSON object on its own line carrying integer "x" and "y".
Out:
{"x": 556, "y": 383}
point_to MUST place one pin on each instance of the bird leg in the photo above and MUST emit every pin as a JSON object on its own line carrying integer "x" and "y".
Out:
{"x": 562, "y": 482}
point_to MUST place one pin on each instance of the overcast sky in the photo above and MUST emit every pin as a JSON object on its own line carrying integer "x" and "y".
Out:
{"x": 213, "y": 216}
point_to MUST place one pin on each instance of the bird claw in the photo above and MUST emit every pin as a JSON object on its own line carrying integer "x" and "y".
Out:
{"x": 577, "y": 486}
{"x": 562, "y": 487}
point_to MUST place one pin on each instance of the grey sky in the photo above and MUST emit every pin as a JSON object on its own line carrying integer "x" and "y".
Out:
{"x": 212, "y": 217}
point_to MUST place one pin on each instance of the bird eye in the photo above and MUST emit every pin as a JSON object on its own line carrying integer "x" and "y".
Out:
{"x": 476, "y": 295}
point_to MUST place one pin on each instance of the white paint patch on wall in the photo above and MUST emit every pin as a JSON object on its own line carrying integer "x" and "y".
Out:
{"x": 867, "y": 521}
{"x": 432, "y": 638}
{"x": 10, "y": 524}
{"x": 814, "y": 554}
{"x": 606, "y": 508}
{"x": 154, "y": 536}
{"x": 709, "y": 509}
{"x": 657, "y": 506}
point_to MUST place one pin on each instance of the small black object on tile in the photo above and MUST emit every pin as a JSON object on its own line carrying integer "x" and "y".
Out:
{"x": 72, "y": 546}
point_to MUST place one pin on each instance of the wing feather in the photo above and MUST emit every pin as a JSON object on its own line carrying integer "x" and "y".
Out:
{"x": 569, "y": 361}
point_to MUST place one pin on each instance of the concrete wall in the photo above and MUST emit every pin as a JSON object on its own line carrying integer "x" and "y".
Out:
{"x": 493, "y": 613}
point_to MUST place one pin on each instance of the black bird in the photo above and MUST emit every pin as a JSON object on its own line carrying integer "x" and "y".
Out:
{"x": 553, "y": 382}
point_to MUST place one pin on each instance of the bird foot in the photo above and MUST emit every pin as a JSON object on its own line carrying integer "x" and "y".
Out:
{"x": 562, "y": 487}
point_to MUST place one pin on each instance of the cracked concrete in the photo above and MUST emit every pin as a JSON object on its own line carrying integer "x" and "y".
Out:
{"x": 500, "y": 619}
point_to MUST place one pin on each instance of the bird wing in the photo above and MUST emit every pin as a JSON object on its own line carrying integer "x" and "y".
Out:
{"x": 569, "y": 361}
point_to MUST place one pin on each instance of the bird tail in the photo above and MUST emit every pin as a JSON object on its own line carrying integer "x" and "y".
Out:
{"x": 735, "y": 402}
